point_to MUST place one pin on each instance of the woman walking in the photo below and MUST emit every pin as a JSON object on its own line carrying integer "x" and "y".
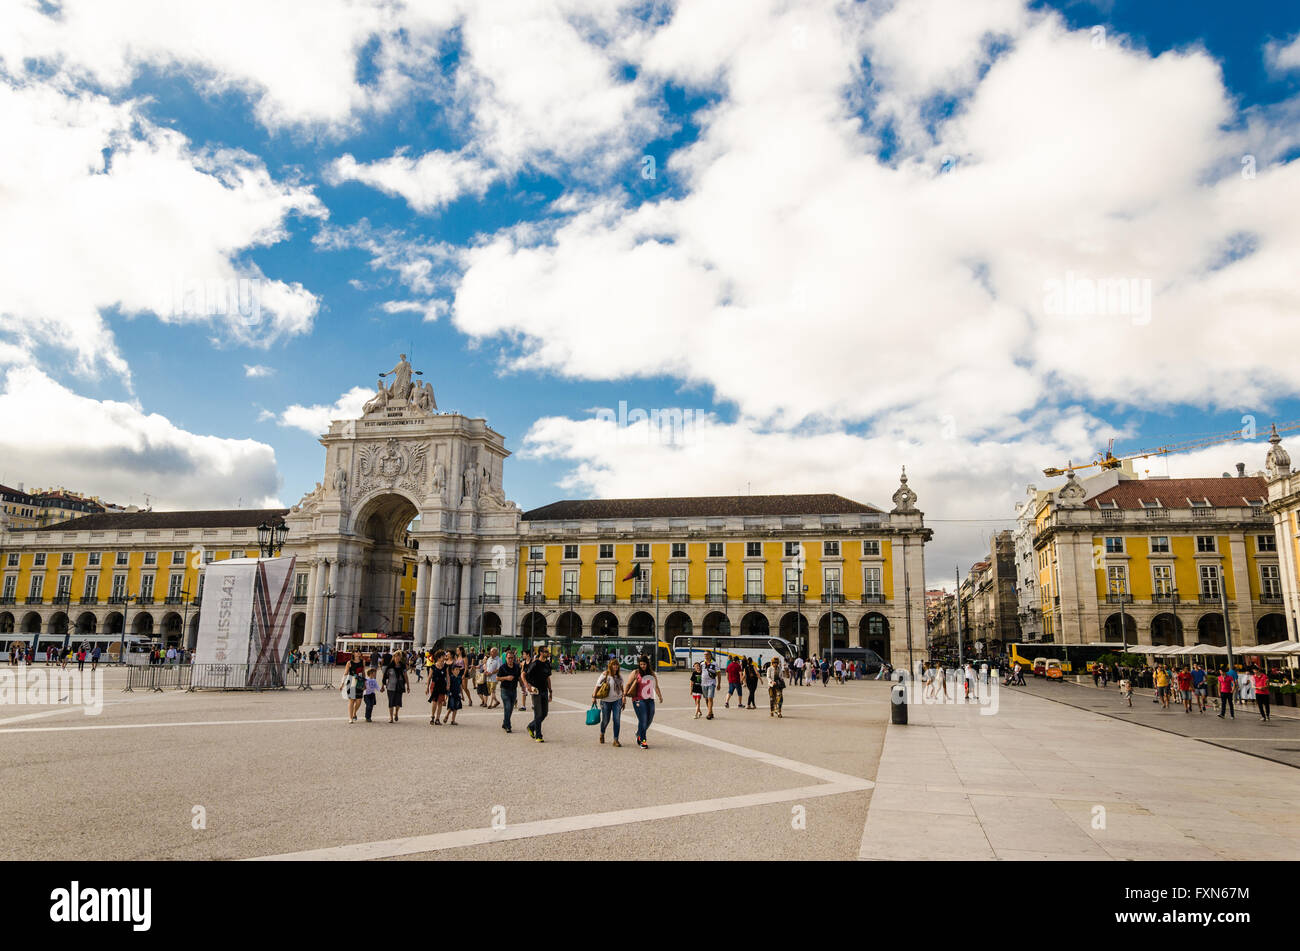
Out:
{"x": 751, "y": 681}
{"x": 775, "y": 688}
{"x": 643, "y": 688}
{"x": 395, "y": 685}
{"x": 437, "y": 688}
{"x": 697, "y": 692}
{"x": 609, "y": 694}
{"x": 1260, "y": 679}
{"x": 354, "y": 685}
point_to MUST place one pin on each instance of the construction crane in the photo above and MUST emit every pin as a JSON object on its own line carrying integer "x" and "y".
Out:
{"x": 1106, "y": 459}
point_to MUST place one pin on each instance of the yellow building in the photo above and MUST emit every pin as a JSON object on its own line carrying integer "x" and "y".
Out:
{"x": 803, "y": 567}
{"x": 1147, "y": 560}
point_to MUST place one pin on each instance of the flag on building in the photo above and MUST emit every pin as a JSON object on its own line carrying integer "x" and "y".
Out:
{"x": 634, "y": 573}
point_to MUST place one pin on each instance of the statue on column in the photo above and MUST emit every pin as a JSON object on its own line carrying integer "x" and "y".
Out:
{"x": 378, "y": 402}
{"x": 440, "y": 480}
{"x": 471, "y": 482}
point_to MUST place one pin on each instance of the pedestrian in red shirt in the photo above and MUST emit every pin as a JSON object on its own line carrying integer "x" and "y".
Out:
{"x": 733, "y": 684}
{"x": 1184, "y": 678}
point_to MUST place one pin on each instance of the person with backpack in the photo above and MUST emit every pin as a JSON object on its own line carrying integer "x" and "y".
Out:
{"x": 508, "y": 676}
{"x": 537, "y": 683}
{"x": 751, "y": 682}
{"x": 775, "y": 688}
{"x": 609, "y": 694}
{"x": 396, "y": 685}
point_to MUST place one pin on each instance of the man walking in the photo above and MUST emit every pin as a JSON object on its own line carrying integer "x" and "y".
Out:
{"x": 1227, "y": 686}
{"x": 491, "y": 664}
{"x": 508, "y": 675}
{"x": 709, "y": 681}
{"x": 733, "y": 684}
{"x": 537, "y": 683}
{"x": 1199, "y": 685}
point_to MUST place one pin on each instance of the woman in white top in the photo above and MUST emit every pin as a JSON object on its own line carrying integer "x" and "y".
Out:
{"x": 609, "y": 694}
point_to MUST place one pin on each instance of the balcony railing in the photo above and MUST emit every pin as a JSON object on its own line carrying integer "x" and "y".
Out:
{"x": 793, "y": 598}
{"x": 1159, "y": 598}
{"x": 117, "y": 599}
{"x": 63, "y": 599}
{"x": 197, "y": 601}
{"x": 297, "y": 599}
{"x": 35, "y": 599}
{"x": 832, "y": 598}
{"x": 144, "y": 599}
{"x": 873, "y": 599}
{"x": 1119, "y": 598}
{"x": 530, "y": 598}
{"x": 489, "y": 599}
{"x": 606, "y": 599}
{"x": 679, "y": 599}
{"x": 7, "y": 599}
{"x": 1207, "y": 598}
{"x": 715, "y": 598}
{"x": 644, "y": 598}
{"x": 1202, "y": 514}
{"x": 1160, "y": 514}
{"x": 1270, "y": 599}
{"x": 755, "y": 599}
{"x": 570, "y": 599}
{"x": 179, "y": 599}
{"x": 1112, "y": 515}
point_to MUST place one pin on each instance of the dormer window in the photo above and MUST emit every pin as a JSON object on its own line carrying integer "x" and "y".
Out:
{"x": 1199, "y": 503}
{"x": 1151, "y": 504}
{"x": 1108, "y": 505}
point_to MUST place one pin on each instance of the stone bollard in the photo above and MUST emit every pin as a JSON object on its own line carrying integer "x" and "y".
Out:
{"x": 898, "y": 703}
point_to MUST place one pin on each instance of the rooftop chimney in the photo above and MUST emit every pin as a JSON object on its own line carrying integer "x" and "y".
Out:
{"x": 1241, "y": 469}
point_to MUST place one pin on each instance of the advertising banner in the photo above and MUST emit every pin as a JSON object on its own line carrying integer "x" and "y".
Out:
{"x": 244, "y": 626}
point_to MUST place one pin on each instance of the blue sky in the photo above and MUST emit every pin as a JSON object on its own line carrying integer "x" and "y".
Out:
{"x": 830, "y": 226}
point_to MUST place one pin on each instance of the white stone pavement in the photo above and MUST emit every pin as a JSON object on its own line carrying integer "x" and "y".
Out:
{"x": 1025, "y": 784}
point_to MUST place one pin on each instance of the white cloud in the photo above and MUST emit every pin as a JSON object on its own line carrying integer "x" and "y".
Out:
{"x": 257, "y": 371}
{"x": 428, "y": 183}
{"x": 100, "y": 209}
{"x": 799, "y": 275}
{"x": 1283, "y": 57}
{"x": 119, "y": 452}
{"x": 316, "y": 419}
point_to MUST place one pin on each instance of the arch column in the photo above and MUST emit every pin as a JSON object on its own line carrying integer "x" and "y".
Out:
{"x": 309, "y": 631}
{"x": 331, "y": 572}
{"x": 421, "y": 629}
{"x": 466, "y": 592}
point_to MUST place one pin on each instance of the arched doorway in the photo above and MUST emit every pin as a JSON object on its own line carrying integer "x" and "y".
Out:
{"x": 1166, "y": 631}
{"x": 58, "y": 623}
{"x": 113, "y": 623}
{"x": 568, "y": 625}
{"x": 533, "y": 626}
{"x": 677, "y": 624}
{"x": 6, "y": 623}
{"x": 171, "y": 629}
{"x": 873, "y": 631}
{"x": 1115, "y": 634}
{"x": 384, "y": 522}
{"x": 832, "y": 625}
{"x": 297, "y": 630}
{"x": 86, "y": 623}
{"x": 1209, "y": 630}
{"x": 604, "y": 624}
{"x": 715, "y": 625}
{"x": 1270, "y": 629}
{"x": 641, "y": 626}
{"x": 142, "y": 624}
{"x": 192, "y": 640}
{"x": 31, "y": 623}
{"x": 755, "y": 624}
{"x": 491, "y": 624}
{"x": 794, "y": 628}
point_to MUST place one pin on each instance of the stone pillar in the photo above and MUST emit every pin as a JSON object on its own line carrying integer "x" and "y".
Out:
{"x": 1243, "y": 617}
{"x": 332, "y": 585}
{"x": 309, "y": 628}
{"x": 466, "y": 592}
{"x": 422, "y": 604}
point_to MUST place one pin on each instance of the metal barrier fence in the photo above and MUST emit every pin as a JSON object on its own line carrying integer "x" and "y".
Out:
{"x": 159, "y": 677}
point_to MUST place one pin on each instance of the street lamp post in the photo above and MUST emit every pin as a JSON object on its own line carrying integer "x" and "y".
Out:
{"x": 121, "y": 646}
{"x": 271, "y": 536}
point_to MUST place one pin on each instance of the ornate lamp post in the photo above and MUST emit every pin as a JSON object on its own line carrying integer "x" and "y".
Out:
{"x": 271, "y": 536}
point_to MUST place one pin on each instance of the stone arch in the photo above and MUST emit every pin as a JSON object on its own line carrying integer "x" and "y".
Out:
{"x": 87, "y": 623}
{"x": 716, "y": 624}
{"x": 382, "y": 522}
{"x": 6, "y": 622}
{"x": 1166, "y": 631}
{"x": 383, "y": 516}
{"x": 641, "y": 625}
{"x": 1270, "y": 629}
{"x": 794, "y": 628}
{"x": 532, "y": 626}
{"x": 873, "y": 633}
{"x": 604, "y": 624}
{"x": 755, "y": 624}
{"x": 832, "y": 624}
{"x": 677, "y": 624}
{"x": 142, "y": 624}
{"x": 1114, "y": 633}
{"x": 568, "y": 624}
{"x": 170, "y": 629}
{"x": 31, "y": 623}
{"x": 58, "y": 623}
{"x": 1209, "y": 630}
{"x": 113, "y": 623}
{"x": 491, "y": 624}
{"x": 192, "y": 637}
{"x": 297, "y": 630}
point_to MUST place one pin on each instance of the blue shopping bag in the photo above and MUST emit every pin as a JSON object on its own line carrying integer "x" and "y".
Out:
{"x": 593, "y": 715}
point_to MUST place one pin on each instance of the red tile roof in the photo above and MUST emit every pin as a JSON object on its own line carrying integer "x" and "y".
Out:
{"x": 1174, "y": 493}
{"x": 718, "y": 506}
